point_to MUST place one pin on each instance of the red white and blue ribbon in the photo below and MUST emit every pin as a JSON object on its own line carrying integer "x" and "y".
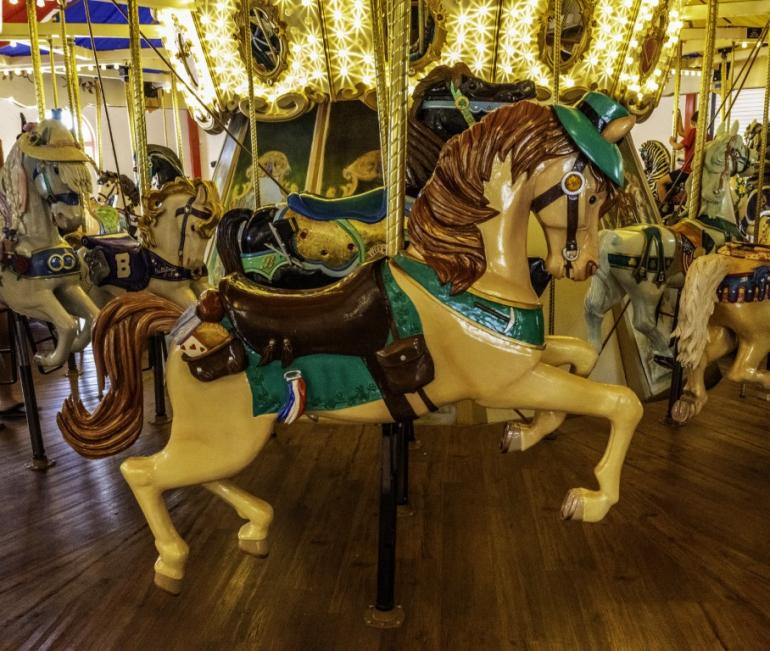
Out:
{"x": 296, "y": 395}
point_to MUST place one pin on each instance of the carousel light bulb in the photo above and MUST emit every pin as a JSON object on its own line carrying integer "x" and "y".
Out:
{"x": 14, "y": 43}
{"x": 40, "y": 3}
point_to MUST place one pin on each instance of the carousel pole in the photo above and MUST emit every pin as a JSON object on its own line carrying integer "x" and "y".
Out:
{"x": 703, "y": 110}
{"x": 677, "y": 92}
{"x": 380, "y": 64}
{"x": 136, "y": 80}
{"x": 762, "y": 154}
{"x": 37, "y": 64}
{"x": 99, "y": 139}
{"x": 177, "y": 121}
{"x": 246, "y": 17}
{"x": 723, "y": 87}
{"x": 130, "y": 110}
{"x": 77, "y": 114}
{"x": 398, "y": 52}
{"x": 556, "y": 56}
{"x": 54, "y": 84}
{"x": 68, "y": 74}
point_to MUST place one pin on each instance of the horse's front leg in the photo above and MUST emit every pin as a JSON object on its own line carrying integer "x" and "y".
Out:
{"x": 77, "y": 302}
{"x": 581, "y": 357}
{"x": 694, "y": 396}
{"x": 553, "y": 389}
{"x": 48, "y": 308}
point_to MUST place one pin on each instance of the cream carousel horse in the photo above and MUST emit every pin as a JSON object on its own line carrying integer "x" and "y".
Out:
{"x": 42, "y": 185}
{"x": 458, "y": 310}
{"x": 117, "y": 197}
{"x": 725, "y": 305}
{"x": 168, "y": 260}
{"x": 641, "y": 261}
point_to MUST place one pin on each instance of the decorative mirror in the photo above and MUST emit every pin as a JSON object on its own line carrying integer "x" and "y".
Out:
{"x": 575, "y": 30}
{"x": 427, "y": 33}
{"x": 268, "y": 41}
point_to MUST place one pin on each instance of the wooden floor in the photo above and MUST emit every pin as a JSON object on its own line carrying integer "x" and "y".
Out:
{"x": 682, "y": 562}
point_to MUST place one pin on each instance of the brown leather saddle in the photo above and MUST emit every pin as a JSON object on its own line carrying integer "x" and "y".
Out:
{"x": 349, "y": 317}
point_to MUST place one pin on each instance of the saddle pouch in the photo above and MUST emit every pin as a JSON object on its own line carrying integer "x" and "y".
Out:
{"x": 229, "y": 358}
{"x": 406, "y": 364}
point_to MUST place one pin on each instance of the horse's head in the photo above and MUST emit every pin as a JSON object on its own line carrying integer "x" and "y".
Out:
{"x": 107, "y": 190}
{"x": 471, "y": 218}
{"x": 54, "y": 162}
{"x": 179, "y": 219}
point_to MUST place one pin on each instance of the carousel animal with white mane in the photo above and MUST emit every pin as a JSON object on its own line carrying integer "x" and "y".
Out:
{"x": 453, "y": 317}
{"x": 725, "y": 307}
{"x": 641, "y": 261}
{"x": 176, "y": 225}
{"x": 42, "y": 186}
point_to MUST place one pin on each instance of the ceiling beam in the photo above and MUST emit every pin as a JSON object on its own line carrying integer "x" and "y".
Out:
{"x": 20, "y": 32}
{"x": 106, "y": 57}
{"x": 728, "y": 9}
{"x": 736, "y": 34}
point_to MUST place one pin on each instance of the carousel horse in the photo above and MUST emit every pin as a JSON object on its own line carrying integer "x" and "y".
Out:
{"x": 42, "y": 184}
{"x": 165, "y": 165}
{"x": 641, "y": 261}
{"x": 725, "y": 305}
{"x": 656, "y": 160}
{"x": 118, "y": 202}
{"x": 748, "y": 190}
{"x": 310, "y": 240}
{"x": 168, "y": 259}
{"x": 452, "y": 318}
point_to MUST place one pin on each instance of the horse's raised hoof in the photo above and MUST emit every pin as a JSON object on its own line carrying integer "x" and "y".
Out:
{"x": 572, "y": 508}
{"x": 512, "y": 440}
{"x": 377, "y": 618}
{"x": 166, "y": 583}
{"x": 259, "y": 548}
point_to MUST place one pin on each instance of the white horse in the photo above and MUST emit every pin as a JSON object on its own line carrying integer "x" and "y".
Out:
{"x": 641, "y": 261}
{"x": 169, "y": 259}
{"x": 42, "y": 185}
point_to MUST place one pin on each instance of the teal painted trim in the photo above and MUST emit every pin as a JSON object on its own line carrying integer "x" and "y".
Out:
{"x": 728, "y": 228}
{"x": 520, "y": 324}
{"x": 404, "y": 313}
{"x": 265, "y": 264}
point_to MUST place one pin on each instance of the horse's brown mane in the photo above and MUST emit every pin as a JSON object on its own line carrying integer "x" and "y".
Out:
{"x": 423, "y": 146}
{"x": 442, "y": 225}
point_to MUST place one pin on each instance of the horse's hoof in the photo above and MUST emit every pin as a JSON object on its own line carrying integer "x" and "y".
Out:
{"x": 682, "y": 411}
{"x": 172, "y": 586}
{"x": 259, "y": 548}
{"x": 512, "y": 439}
{"x": 572, "y": 508}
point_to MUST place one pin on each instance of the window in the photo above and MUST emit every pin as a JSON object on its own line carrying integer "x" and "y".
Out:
{"x": 747, "y": 107}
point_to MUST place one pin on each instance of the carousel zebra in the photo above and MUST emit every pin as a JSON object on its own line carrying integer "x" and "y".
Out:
{"x": 657, "y": 163}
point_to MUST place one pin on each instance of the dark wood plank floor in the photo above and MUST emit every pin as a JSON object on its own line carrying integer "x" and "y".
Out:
{"x": 683, "y": 562}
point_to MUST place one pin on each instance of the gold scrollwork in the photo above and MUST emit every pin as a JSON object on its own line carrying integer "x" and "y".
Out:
{"x": 575, "y": 32}
{"x": 269, "y": 49}
{"x": 428, "y": 33}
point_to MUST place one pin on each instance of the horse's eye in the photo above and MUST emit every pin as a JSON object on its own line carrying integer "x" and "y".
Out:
{"x": 592, "y": 200}
{"x": 192, "y": 228}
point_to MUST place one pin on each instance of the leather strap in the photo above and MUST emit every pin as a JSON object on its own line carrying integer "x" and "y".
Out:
{"x": 188, "y": 210}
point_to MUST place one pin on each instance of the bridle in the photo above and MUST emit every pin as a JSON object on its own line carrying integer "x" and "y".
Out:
{"x": 572, "y": 185}
{"x": 67, "y": 198}
{"x": 187, "y": 211}
{"x": 112, "y": 184}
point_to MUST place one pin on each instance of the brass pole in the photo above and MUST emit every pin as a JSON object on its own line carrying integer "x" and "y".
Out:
{"x": 177, "y": 121}
{"x": 398, "y": 58}
{"x": 556, "y": 49}
{"x": 677, "y": 92}
{"x": 762, "y": 153}
{"x": 732, "y": 78}
{"x": 54, "y": 78}
{"x": 99, "y": 140}
{"x": 380, "y": 66}
{"x": 137, "y": 96}
{"x": 77, "y": 114}
{"x": 37, "y": 64}
{"x": 130, "y": 110}
{"x": 703, "y": 110}
{"x": 246, "y": 17}
{"x": 723, "y": 87}
{"x": 68, "y": 75}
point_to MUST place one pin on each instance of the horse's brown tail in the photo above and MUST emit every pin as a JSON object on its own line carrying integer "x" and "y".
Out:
{"x": 118, "y": 337}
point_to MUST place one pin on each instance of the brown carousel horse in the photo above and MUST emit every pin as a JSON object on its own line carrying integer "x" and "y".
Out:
{"x": 455, "y": 317}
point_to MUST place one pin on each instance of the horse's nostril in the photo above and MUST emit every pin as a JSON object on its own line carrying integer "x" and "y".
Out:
{"x": 591, "y": 268}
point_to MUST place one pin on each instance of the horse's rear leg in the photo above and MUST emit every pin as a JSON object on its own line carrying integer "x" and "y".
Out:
{"x": 188, "y": 459}
{"x": 559, "y": 351}
{"x": 252, "y": 537}
{"x": 749, "y": 362}
{"x": 603, "y": 293}
{"x": 694, "y": 396}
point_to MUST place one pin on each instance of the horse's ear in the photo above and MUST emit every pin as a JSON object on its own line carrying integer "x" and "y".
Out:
{"x": 618, "y": 128}
{"x": 720, "y": 130}
{"x": 734, "y": 128}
